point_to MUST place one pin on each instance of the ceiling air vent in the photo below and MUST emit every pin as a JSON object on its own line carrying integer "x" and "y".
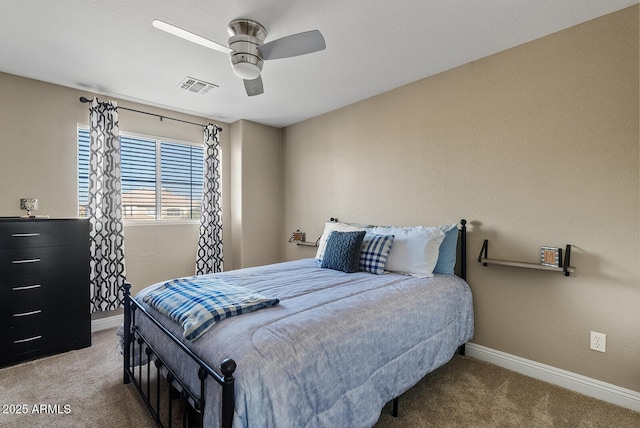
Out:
{"x": 196, "y": 86}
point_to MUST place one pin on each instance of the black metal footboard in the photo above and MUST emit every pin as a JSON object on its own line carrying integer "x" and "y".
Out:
{"x": 193, "y": 401}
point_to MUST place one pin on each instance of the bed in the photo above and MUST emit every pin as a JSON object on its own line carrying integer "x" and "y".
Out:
{"x": 333, "y": 351}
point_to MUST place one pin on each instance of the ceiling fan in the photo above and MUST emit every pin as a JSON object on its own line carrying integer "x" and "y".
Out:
{"x": 247, "y": 50}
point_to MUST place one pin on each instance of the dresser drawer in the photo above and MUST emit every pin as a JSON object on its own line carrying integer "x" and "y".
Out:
{"x": 28, "y": 233}
{"x": 49, "y": 285}
{"x": 65, "y": 306}
{"x": 39, "y": 327}
{"x": 44, "y": 259}
{"x": 28, "y": 323}
{"x": 14, "y": 348}
{"x": 40, "y": 343}
{"x": 39, "y": 346}
{"x": 38, "y": 316}
{"x": 45, "y": 312}
{"x": 36, "y": 329}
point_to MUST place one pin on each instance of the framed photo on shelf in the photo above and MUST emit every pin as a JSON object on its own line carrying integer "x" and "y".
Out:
{"x": 551, "y": 256}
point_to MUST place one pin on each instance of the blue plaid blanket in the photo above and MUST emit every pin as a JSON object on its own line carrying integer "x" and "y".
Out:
{"x": 198, "y": 302}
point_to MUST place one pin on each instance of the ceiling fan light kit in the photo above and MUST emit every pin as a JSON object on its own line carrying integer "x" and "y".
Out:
{"x": 246, "y": 37}
{"x": 247, "y": 51}
{"x": 246, "y": 67}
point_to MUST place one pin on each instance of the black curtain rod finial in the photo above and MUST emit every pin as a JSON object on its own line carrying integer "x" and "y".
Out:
{"x": 84, "y": 100}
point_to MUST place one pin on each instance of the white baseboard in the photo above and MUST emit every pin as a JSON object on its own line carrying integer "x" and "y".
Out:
{"x": 591, "y": 387}
{"x": 107, "y": 322}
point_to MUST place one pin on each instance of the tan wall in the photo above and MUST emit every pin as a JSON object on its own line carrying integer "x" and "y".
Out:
{"x": 256, "y": 197}
{"x": 38, "y": 158}
{"x": 537, "y": 145}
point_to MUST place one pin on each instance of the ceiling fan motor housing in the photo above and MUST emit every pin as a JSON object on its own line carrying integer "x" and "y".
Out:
{"x": 246, "y": 37}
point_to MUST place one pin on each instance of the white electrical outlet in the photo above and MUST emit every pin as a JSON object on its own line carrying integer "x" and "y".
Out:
{"x": 598, "y": 342}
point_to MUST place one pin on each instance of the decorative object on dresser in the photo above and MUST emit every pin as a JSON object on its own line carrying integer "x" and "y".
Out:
{"x": 44, "y": 287}
{"x": 29, "y": 204}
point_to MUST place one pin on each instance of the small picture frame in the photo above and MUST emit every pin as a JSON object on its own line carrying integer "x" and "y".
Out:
{"x": 297, "y": 236}
{"x": 551, "y": 256}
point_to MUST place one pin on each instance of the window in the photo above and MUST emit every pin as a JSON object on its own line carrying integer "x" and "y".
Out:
{"x": 161, "y": 180}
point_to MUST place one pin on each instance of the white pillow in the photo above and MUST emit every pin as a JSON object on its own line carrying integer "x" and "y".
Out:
{"x": 329, "y": 227}
{"x": 414, "y": 250}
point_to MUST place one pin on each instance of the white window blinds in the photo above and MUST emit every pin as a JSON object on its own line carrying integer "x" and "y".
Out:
{"x": 161, "y": 180}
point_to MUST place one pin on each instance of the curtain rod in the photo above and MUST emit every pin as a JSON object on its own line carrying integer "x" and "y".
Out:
{"x": 86, "y": 100}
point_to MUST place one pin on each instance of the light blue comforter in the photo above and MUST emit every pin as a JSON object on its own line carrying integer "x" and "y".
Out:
{"x": 335, "y": 350}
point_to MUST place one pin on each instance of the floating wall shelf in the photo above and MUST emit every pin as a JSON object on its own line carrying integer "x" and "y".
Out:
{"x": 566, "y": 268}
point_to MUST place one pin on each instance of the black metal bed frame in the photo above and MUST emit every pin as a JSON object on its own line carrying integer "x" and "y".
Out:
{"x": 193, "y": 402}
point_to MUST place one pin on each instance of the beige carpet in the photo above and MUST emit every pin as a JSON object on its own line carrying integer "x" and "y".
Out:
{"x": 463, "y": 393}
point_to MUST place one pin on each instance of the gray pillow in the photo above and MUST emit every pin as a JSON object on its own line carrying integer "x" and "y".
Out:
{"x": 342, "y": 251}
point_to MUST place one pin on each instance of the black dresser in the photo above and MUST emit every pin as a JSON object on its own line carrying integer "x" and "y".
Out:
{"x": 44, "y": 287}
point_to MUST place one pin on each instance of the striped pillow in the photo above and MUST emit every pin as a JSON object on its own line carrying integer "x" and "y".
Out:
{"x": 375, "y": 251}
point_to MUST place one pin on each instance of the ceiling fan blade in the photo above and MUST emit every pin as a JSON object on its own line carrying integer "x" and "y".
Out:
{"x": 254, "y": 87}
{"x": 293, "y": 45}
{"x": 187, "y": 35}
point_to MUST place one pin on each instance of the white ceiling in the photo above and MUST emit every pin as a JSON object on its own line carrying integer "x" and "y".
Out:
{"x": 111, "y": 48}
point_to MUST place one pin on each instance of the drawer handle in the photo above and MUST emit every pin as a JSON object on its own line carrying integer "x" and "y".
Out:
{"x": 28, "y": 339}
{"x": 17, "y": 262}
{"x": 24, "y": 235}
{"x": 26, "y": 314}
{"x": 26, "y": 287}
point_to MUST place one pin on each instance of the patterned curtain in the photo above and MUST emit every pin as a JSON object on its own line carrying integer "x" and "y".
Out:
{"x": 209, "y": 257}
{"x": 106, "y": 235}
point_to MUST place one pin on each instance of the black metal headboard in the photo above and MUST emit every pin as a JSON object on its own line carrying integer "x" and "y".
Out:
{"x": 463, "y": 249}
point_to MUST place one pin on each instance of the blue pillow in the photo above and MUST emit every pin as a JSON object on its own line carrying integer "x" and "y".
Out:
{"x": 342, "y": 251}
{"x": 448, "y": 250}
{"x": 375, "y": 251}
